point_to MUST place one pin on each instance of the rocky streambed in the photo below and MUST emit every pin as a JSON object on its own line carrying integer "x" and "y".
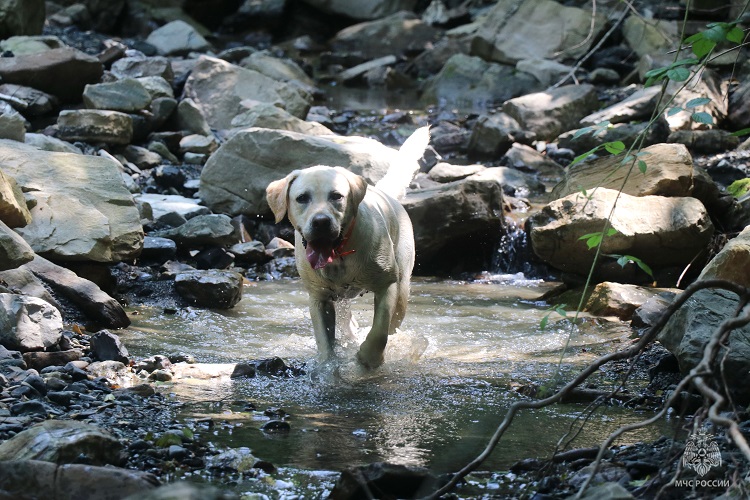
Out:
{"x": 137, "y": 139}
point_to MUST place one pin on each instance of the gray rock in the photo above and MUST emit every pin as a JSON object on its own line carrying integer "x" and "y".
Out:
{"x": 552, "y": 112}
{"x": 648, "y": 313}
{"x": 127, "y": 95}
{"x": 97, "y": 218}
{"x": 732, "y": 262}
{"x": 638, "y": 106}
{"x": 21, "y": 17}
{"x": 471, "y": 82}
{"x": 31, "y": 44}
{"x": 13, "y": 210}
{"x": 41, "y": 360}
{"x": 252, "y": 252}
{"x": 265, "y": 115}
{"x": 391, "y": 480}
{"x": 218, "y": 88}
{"x": 446, "y": 217}
{"x": 14, "y": 251}
{"x": 617, "y": 299}
{"x": 526, "y": 158}
{"x": 53, "y": 144}
{"x": 660, "y": 231}
{"x": 739, "y": 106}
{"x": 162, "y": 149}
{"x": 627, "y": 133}
{"x": 142, "y": 157}
{"x": 12, "y": 124}
{"x": 514, "y": 182}
{"x": 90, "y": 125}
{"x": 82, "y": 292}
{"x": 606, "y": 491}
{"x": 139, "y": 67}
{"x": 28, "y": 323}
{"x": 212, "y": 229}
{"x": 212, "y": 288}
{"x": 492, "y": 135}
{"x": 235, "y": 178}
{"x": 158, "y": 249}
{"x": 106, "y": 346}
{"x": 62, "y": 72}
{"x": 27, "y": 100}
{"x": 185, "y": 490}
{"x": 706, "y": 84}
{"x": 650, "y": 36}
{"x": 363, "y": 9}
{"x": 162, "y": 109}
{"x": 156, "y": 86}
{"x": 177, "y": 38}
{"x": 190, "y": 118}
{"x": 399, "y": 33}
{"x": 689, "y": 329}
{"x": 547, "y": 72}
{"x": 705, "y": 141}
{"x": 283, "y": 70}
{"x": 445, "y": 172}
{"x": 23, "y": 281}
{"x": 511, "y": 31}
{"x": 164, "y": 204}
{"x": 200, "y": 144}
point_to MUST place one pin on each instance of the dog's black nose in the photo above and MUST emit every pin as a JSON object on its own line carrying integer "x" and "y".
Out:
{"x": 321, "y": 223}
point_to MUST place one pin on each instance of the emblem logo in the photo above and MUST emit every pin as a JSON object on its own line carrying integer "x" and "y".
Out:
{"x": 701, "y": 453}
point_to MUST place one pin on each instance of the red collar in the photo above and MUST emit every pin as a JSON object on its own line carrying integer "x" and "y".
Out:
{"x": 339, "y": 250}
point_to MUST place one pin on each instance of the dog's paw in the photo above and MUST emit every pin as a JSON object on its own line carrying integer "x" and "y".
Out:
{"x": 369, "y": 360}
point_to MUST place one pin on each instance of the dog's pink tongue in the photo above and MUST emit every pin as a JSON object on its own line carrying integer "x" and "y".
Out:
{"x": 319, "y": 257}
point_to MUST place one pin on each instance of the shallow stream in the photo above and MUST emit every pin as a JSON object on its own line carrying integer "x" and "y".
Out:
{"x": 464, "y": 352}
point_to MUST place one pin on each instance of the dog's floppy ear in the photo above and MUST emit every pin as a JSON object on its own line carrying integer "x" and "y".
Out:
{"x": 357, "y": 186}
{"x": 277, "y": 195}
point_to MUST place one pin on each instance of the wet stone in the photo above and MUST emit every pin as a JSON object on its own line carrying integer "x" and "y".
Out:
{"x": 276, "y": 427}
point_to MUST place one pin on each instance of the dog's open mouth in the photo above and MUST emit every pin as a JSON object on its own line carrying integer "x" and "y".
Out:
{"x": 321, "y": 253}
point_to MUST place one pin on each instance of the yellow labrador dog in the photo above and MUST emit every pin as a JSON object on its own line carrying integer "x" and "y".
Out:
{"x": 350, "y": 238}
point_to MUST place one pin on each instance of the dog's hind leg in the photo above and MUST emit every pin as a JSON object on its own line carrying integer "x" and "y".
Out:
{"x": 400, "y": 311}
{"x": 323, "y": 314}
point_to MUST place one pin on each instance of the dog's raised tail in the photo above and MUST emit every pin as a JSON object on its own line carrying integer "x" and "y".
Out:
{"x": 406, "y": 166}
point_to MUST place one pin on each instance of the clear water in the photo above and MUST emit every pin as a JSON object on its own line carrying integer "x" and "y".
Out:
{"x": 448, "y": 379}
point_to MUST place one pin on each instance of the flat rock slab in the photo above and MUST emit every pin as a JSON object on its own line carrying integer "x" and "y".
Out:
{"x": 62, "y": 72}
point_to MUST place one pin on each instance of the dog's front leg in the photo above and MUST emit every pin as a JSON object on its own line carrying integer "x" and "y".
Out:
{"x": 323, "y": 314}
{"x": 371, "y": 351}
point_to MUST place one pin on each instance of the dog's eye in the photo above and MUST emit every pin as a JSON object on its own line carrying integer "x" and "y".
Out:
{"x": 335, "y": 196}
{"x": 303, "y": 198}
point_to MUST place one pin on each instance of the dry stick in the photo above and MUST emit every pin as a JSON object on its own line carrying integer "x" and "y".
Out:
{"x": 696, "y": 376}
{"x": 586, "y": 373}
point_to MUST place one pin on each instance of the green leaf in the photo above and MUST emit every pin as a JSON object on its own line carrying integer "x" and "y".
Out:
{"x": 624, "y": 260}
{"x": 699, "y": 101}
{"x": 735, "y": 35}
{"x": 561, "y": 310}
{"x": 716, "y": 32}
{"x": 703, "y": 47}
{"x": 674, "y": 111}
{"x": 583, "y": 156}
{"x": 678, "y": 74}
{"x": 592, "y": 239}
{"x": 612, "y": 231}
{"x": 642, "y": 166}
{"x": 615, "y": 147}
{"x": 543, "y": 323}
{"x": 582, "y": 131}
{"x": 702, "y": 117}
{"x": 739, "y": 133}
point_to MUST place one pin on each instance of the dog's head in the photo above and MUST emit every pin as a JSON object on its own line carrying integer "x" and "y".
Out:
{"x": 320, "y": 203}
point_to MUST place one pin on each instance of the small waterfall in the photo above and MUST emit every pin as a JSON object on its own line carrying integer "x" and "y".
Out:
{"x": 513, "y": 254}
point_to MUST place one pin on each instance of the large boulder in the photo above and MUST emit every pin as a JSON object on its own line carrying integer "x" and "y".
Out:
{"x": 690, "y": 328}
{"x": 83, "y": 209}
{"x": 63, "y": 441}
{"x": 62, "y": 72}
{"x": 21, "y": 17}
{"x": 218, "y": 89}
{"x": 235, "y": 178}
{"x": 13, "y": 210}
{"x": 69, "y": 481}
{"x": 212, "y": 288}
{"x": 85, "y": 294}
{"x": 14, "y": 251}
{"x": 363, "y": 9}
{"x": 473, "y": 82}
{"x": 397, "y": 34}
{"x": 554, "y": 111}
{"x": 732, "y": 262}
{"x": 669, "y": 172}
{"x": 28, "y": 323}
{"x": 457, "y": 224}
{"x": 652, "y": 37}
{"x": 661, "y": 231}
{"x": 513, "y": 31}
